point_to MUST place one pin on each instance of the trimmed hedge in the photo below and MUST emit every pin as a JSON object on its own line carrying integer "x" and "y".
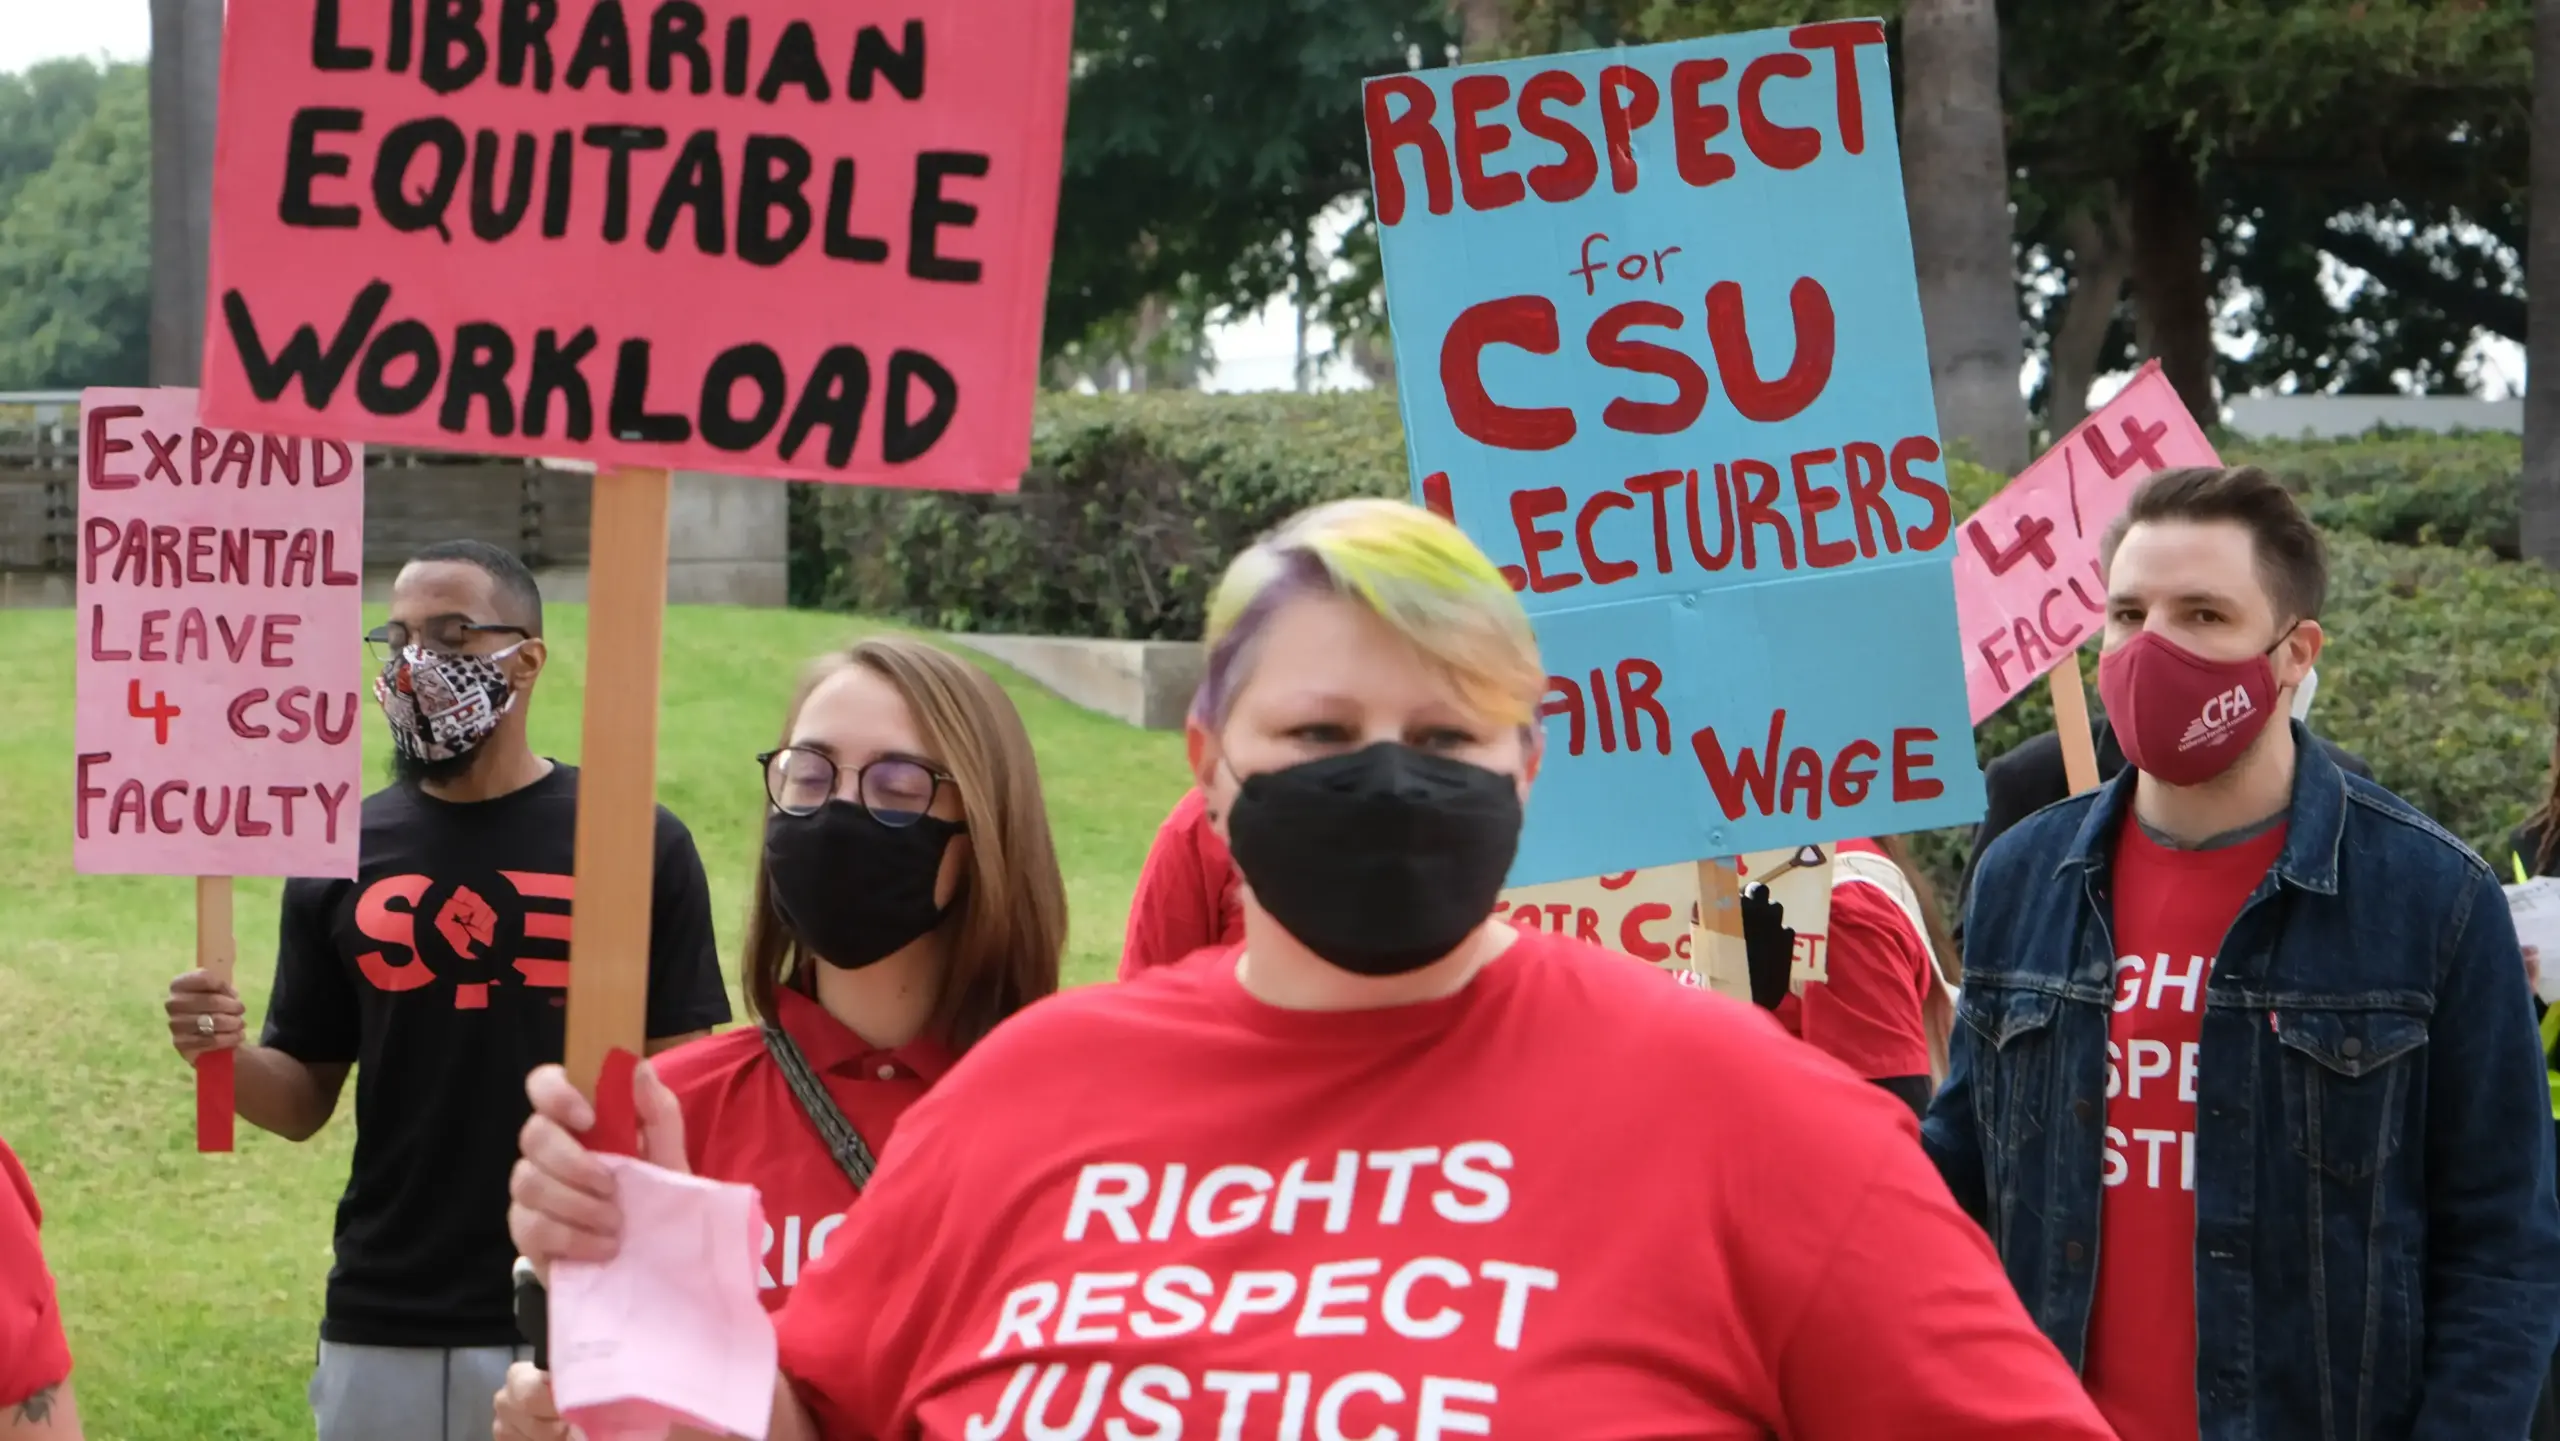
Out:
{"x": 1134, "y": 503}
{"x": 2437, "y": 674}
{"x": 1131, "y": 510}
{"x": 2406, "y": 487}
{"x": 2440, "y": 674}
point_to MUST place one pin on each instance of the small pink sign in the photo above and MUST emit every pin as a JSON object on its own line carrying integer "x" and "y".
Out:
{"x": 2028, "y": 585}
{"x": 220, "y": 674}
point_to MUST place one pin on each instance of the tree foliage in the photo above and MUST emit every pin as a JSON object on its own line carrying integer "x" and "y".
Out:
{"x": 2379, "y": 138}
{"x": 2384, "y": 135}
{"x": 1540, "y": 27}
{"x": 40, "y": 107}
{"x": 1203, "y": 141}
{"x": 75, "y": 232}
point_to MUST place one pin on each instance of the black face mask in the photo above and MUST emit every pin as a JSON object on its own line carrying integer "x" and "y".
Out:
{"x": 853, "y": 890}
{"x": 1381, "y": 861}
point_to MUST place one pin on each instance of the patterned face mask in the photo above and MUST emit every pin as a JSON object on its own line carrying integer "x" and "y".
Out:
{"x": 443, "y": 706}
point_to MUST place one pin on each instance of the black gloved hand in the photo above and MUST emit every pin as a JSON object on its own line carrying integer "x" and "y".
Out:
{"x": 533, "y": 1313}
{"x": 1769, "y": 944}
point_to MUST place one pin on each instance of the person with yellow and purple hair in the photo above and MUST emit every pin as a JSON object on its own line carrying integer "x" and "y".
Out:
{"x": 1387, "y": 1167}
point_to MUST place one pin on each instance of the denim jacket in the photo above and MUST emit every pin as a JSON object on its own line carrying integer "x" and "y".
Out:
{"x": 2377, "y": 1240}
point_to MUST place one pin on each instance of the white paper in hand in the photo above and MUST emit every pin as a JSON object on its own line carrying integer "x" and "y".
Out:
{"x": 2535, "y": 904}
{"x": 670, "y": 1331}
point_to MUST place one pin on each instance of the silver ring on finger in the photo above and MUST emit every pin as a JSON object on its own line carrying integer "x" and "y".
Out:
{"x": 204, "y": 1025}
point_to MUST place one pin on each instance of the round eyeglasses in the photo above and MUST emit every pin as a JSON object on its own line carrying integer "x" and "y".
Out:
{"x": 443, "y": 634}
{"x": 895, "y": 790}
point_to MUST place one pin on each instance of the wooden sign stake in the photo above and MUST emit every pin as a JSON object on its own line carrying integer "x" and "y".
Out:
{"x": 618, "y": 771}
{"x": 216, "y": 953}
{"x": 2071, "y": 723}
{"x": 1722, "y": 954}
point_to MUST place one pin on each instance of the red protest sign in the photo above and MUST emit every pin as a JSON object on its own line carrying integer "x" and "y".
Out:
{"x": 2028, "y": 586}
{"x": 771, "y": 237}
{"x": 219, "y": 674}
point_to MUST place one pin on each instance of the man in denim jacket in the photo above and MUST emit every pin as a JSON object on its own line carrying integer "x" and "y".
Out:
{"x": 2247, "y": 1089}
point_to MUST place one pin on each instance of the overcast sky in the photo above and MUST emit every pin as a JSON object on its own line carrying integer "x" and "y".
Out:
{"x": 33, "y": 30}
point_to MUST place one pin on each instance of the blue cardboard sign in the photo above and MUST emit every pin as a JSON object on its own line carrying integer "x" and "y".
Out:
{"x": 1659, "y": 352}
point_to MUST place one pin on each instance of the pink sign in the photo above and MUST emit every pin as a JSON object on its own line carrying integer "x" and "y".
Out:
{"x": 795, "y": 238}
{"x": 2028, "y": 586}
{"x": 221, "y": 632}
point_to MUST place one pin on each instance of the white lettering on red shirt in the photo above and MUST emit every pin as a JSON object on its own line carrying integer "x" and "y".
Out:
{"x": 2172, "y": 910}
{"x": 1226, "y": 1220}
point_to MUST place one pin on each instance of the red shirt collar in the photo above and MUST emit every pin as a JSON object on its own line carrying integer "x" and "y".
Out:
{"x": 832, "y": 1047}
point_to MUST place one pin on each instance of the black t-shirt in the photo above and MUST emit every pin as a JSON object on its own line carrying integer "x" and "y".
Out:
{"x": 441, "y": 972}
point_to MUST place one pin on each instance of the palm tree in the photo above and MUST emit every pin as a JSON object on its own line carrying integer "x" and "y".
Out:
{"x": 2096, "y": 233}
{"x": 1955, "y": 175}
{"x": 186, "y": 63}
{"x": 2541, "y": 498}
{"x": 1482, "y": 26}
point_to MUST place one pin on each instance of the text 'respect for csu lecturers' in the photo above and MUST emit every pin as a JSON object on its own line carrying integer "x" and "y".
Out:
{"x": 219, "y": 585}
{"x": 772, "y": 237}
{"x": 1659, "y": 352}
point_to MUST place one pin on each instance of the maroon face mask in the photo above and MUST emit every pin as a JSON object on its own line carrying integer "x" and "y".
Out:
{"x": 2182, "y": 718}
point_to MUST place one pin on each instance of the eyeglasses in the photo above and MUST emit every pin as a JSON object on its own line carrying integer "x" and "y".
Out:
{"x": 896, "y": 791}
{"x": 446, "y": 634}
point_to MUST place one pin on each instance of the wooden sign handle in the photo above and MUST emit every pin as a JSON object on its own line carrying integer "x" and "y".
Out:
{"x": 1722, "y": 956}
{"x": 2071, "y": 724}
{"x": 217, "y": 952}
{"x": 617, "y": 774}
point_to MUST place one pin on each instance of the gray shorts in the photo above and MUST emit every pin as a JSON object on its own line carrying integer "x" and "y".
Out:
{"x": 386, "y": 1393}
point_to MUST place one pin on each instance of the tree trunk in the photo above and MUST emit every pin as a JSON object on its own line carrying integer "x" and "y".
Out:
{"x": 186, "y": 65}
{"x": 1955, "y": 176}
{"x": 1374, "y": 356}
{"x": 1150, "y": 323}
{"x": 1481, "y": 27}
{"x": 1302, "y": 300}
{"x": 2100, "y": 259}
{"x": 2174, "y": 302}
{"x": 2541, "y": 498}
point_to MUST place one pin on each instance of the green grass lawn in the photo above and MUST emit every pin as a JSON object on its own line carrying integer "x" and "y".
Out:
{"x": 192, "y": 1284}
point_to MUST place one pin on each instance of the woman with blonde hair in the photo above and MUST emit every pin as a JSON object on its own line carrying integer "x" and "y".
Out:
{"x": 1389, "y": 1167}
{"x": 907, "y": 898}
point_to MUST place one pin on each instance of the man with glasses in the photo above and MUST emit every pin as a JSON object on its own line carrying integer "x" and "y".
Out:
{"x": 440, "y": 974}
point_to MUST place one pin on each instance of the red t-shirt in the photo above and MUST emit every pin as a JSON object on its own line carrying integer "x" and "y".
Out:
{"x": 1573, "y": 1199}
{"x": 2172, "y": 909}
{"x": 33, "y": 1353}
{"x": 1867, "y": 1016}
{"x": 741, "y": 1122}
{"x": 1186, "y": 897}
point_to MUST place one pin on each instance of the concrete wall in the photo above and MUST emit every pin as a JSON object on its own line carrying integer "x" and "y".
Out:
{"x": 34, "y": 589}
{"x": 566, "y": 584}
{"x": 410, "y": 501}
{"x": 1143, "y": 682}
{"x": 728, "y": 540}
{"x": 728, "y": 536}
{"x": 2326, "y": 417}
